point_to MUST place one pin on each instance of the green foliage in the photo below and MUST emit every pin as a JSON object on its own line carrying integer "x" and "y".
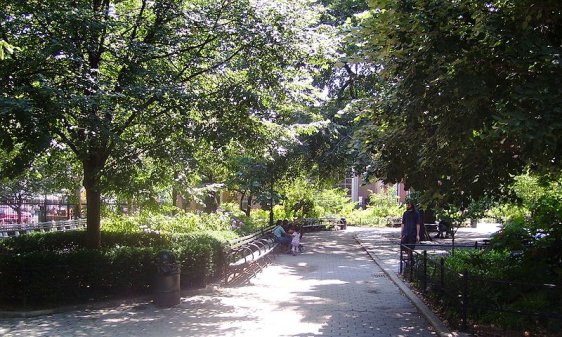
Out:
{"x": 299, "y": 199}
{"x": 333, "y": 201}
{"x": 492, "y": 264}
{"x": 385, "y": 204}
{"x": 56, "y": 269}
{"x": 241, "y": 223}
{"x": 133, "y": 100}
{"x": 526, "y": 249}
{"x": 360, "y": 217}
{"x": 40, "y": 278}
{"x": 200, "y": 256}
{"x": 121, "y": 223}
{"x": 468, "y": 94}
{"x": 508, "y": 213}
{"x": 488, "y": 272}
{"x": 6, "y": 49}
{"x": 261, "y": 216}
{"x": 513, "y": 236}
{"x": 75, "y": 240}
{"x": 534, "y": 227}
{"x": 546, "y": 211}
{"x": 382, "y": 208}
{"x": 181, "y": 222}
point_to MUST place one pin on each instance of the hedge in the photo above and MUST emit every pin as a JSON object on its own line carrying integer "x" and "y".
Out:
{"x": 52, "y": 269}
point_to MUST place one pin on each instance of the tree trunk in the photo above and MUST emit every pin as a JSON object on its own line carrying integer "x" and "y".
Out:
{"x": 78, "y": 206}
{"x": 249, "y": 206}
{"x": 175, "y": 200}
{"x": 93, "y": 235}
{"x": 246, "y": 210}
{"x": 93, "y": 206}
{"x": 211, "y": 203}
{"x": 271, "y": 201}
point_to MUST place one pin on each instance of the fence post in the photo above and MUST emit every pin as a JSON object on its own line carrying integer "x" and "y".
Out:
{"x": 25, "y": 282}
{"x": 401, "y": 258}
{"x": 442, "y": 274}
{"x": 464, "y": 326}
{"x": 411, "y": 259}
{"x": 424, "y": 280}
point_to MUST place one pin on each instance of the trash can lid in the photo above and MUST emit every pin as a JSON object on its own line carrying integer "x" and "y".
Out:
{"x": 166, "y": 256}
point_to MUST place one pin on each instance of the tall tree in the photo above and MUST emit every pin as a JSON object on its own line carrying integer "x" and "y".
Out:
{"x": 105, "y": 77}
{"x": 470, "y": 93}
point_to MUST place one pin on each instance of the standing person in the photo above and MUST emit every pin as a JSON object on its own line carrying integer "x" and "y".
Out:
{"x": 410, "y": 228}
{"x": 295, "y": 242}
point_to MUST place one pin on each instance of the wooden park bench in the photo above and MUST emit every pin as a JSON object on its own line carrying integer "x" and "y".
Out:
{"x": 245, "y": 256}
{"x": 311, "y": 224}
{"x": 393, "y": 222}
{"x": 325, "y": 223}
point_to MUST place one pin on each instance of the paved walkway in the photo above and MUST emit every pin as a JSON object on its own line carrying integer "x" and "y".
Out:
{"x": 333, "y": 289}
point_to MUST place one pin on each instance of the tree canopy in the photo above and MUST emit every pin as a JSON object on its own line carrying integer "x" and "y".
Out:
{"x": 115, "y": 82}
{"x": 470, "y": 93}
{"x": 452, "y": 98}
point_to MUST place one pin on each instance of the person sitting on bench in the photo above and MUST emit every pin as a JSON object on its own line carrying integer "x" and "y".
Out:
{"x": 443, "y": 229}
{"x": 282, "y": 237}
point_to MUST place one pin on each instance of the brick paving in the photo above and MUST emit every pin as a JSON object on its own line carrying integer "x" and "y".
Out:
{"x": 333, "y": 289}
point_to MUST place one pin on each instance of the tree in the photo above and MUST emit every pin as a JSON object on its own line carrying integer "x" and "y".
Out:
{"x": 470, "y": 94}
{"x": 347, "y": 81}
{"x": 105, "y": 77}
{"x": 248, "y": 176}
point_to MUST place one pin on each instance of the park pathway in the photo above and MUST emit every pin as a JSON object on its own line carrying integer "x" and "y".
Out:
{"x": 333, "y": 289}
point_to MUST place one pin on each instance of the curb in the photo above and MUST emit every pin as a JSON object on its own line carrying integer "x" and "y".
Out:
{"x": 434, "y": 321}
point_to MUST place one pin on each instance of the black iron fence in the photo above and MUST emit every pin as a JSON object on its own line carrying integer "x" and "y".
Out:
{"x": 38, "y": 211}
{"x": 471, "y": 300}
{"x": 10, "y": 230}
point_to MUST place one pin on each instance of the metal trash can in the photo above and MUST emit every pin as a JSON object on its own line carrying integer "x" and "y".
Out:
{"x": 167, "y": 282}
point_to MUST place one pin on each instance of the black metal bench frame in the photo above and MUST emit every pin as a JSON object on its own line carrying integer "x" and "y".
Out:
{"x": 247, "y": 255}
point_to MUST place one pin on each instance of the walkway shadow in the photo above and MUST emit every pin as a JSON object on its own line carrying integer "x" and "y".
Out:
{"x": 333, "y": 289}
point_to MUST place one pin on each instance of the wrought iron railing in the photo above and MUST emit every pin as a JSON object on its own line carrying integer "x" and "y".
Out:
{"x": 471, "y": 299}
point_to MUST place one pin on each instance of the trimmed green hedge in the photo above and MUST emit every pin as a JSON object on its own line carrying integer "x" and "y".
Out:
{"x": 48, "y": 269}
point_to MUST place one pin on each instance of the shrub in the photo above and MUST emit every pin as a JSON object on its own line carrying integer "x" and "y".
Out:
{"x": 333, "y": 201}
{"x": 37, "y": 278}
{"x": 512, "y": 236}
{"x": 360, "y": 217}
{"x": 75, "y": 240}
{"x": 55, "y": 268}
{"x": 481, "y": 263}
{"x": 201, "y": 257}
{"x": 492, "y": 299}
{"x": 181, "y": 222}
{"x": 508, "y": 213}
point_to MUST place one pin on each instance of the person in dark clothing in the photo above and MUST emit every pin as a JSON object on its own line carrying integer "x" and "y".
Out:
{"x": 443, "y": 229}
{"x": 410, "y": 228}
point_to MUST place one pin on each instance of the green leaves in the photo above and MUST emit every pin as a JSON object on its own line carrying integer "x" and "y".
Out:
{"x": 463, "y": 94}
{"x": 128, "y": 86}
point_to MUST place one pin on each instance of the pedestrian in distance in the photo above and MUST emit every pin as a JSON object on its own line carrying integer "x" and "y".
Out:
{"x": 410, "y": 228}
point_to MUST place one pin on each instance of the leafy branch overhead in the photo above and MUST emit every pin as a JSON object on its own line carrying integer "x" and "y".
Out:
{"x": 470, "y": 97}
{"x": 115, "y": 82}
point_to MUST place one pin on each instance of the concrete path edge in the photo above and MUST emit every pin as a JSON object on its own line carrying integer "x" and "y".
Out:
{"x": 440, "y": 328}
